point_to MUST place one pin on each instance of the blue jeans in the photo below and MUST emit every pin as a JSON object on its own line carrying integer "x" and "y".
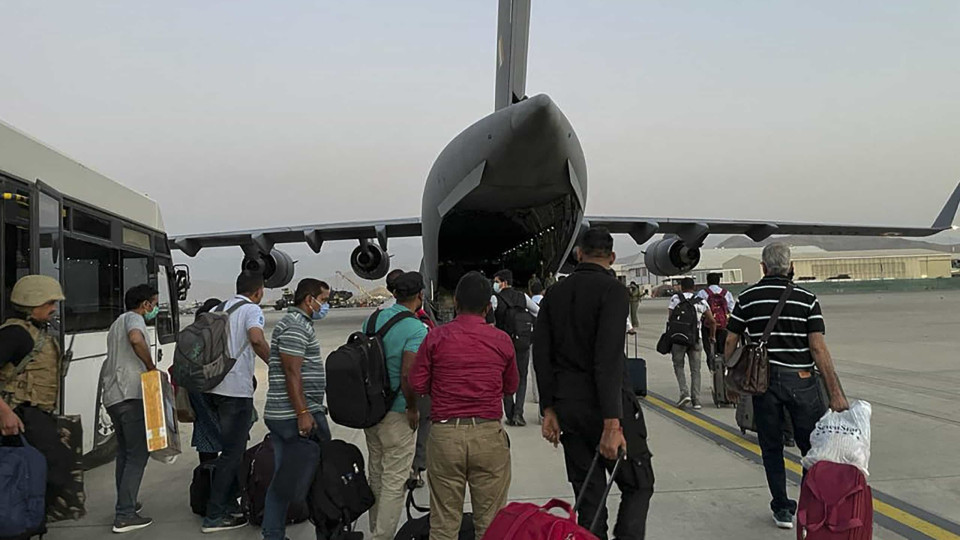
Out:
{"x": 293, "y": 471}
{"x": 234, "y": 415}
{"x": 131, "y": 431}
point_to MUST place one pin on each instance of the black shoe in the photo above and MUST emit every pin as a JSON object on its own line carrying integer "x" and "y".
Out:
{"x": 510, "y": 422}
{"x": 789, "y": 442}
{"x": 139, "y": 507}
{"x": 783, "y": 519}
{"x": 519, "y": 421}
{"x": 135, "y": 523}
{"x": 228, "y": 523}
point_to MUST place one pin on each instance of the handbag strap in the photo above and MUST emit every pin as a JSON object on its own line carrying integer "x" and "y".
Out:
{"x": 776, "y": 313}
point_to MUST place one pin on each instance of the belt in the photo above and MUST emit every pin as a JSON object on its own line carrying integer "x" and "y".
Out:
{"x": 791, "y": 369}
{"x": 470, "y": 421}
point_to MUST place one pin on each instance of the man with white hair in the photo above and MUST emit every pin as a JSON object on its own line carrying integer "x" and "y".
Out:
{"x": 798, "y": 359}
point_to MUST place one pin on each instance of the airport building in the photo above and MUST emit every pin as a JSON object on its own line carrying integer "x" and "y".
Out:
{"x": 742, "y": 266}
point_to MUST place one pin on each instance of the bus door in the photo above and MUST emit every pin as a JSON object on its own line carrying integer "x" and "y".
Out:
{"x": 47, "y": 251}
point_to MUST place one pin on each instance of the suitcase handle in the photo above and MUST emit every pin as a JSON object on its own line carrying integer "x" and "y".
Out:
{"x": 621, "y": 457}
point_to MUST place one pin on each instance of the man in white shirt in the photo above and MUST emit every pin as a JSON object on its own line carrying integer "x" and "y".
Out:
{"x": 232, "y": 401}
{"x": 721, "y": 302}
{"x": 693, "y": 349}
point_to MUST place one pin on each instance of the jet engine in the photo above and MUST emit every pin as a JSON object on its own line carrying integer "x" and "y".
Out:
{"x": 671, "y": 257}
{"x": 276, "y": 267}
{"x": 369, "y": 261}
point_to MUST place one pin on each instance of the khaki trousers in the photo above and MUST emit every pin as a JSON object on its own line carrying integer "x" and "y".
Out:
{"x": 458, "y": 455}
{"x": 390, "y": 445}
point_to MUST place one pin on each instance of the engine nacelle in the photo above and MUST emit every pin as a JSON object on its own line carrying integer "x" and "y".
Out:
{"x": 369, "y": 261}
{"x": 671, "y": 257}
{"x": 277, "y": 268}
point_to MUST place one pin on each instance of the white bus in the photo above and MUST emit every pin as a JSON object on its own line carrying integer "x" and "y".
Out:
{"x": 98, "y": 238}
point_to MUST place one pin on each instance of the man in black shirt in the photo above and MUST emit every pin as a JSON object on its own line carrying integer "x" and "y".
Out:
{"x": 585, "y": 392}
{"x": 514, "y": 312}
{"x": 796, "y": 346}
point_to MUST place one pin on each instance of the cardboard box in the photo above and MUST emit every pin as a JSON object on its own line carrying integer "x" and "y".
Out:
{"x": 159, "y": 411}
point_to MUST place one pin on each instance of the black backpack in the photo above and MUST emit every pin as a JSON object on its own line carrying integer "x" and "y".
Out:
{"x": 202, "y": 357}
{"x": 515, "y": 319}
{"x": 684, "y": 322}
{"x": 339, "y": 494}
{"x": 359, "y": 394}
{"x": 419, "y": 528}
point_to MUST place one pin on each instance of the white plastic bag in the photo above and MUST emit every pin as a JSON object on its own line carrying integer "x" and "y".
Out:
{"x": 842, "y": 437}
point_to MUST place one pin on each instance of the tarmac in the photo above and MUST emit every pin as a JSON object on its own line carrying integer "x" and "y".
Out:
{"x": 896, "y": 350}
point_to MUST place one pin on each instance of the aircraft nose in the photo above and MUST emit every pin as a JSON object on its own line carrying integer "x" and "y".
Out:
{"x": 532, "y": 112}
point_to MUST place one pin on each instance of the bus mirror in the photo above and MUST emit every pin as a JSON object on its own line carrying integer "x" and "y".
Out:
{"x": 182, "y": 276}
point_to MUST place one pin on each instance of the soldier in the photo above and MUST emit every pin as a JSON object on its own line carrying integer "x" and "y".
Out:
{"x": 30, "y": 377}
{"x": 29, "y": 353}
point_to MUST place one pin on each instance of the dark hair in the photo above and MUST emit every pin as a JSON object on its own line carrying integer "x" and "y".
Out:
{"x": 687, "y": 284}
{"x": 391, "y": 277}
{"x": 249, "y": 282}
{"x": 139, "y": 294}
{"x": 207, "y": 306}
{"x": 713, "y": 278}
{"x": 505, "y": 276}
{"x": 596, "y": 242}
{"x": 473, "y": 293}
{"x": 536, "y": 287}
{"x": 309, "y": 287}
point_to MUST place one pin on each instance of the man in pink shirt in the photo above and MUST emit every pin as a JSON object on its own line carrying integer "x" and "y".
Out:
{"x": 467, "y": 366}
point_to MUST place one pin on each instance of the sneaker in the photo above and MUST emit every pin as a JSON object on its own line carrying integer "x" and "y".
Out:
{"x": 134, "y": 523}
{"x": 519, "y": 421}
{"x": 223, "y": 524}
{"x": 789, "y": 442}
{"x": 139, "y": 507}
{"x": 783, "y": 519}
{"x": 683, "y": 402}
{"x": 697, "y": 406}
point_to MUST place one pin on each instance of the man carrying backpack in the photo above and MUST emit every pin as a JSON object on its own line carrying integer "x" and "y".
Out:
{"x": 391, "y": 444}
{"x": 294, "y": 409}
{"x": 515, "y": 314}
{"x": 721, "y": 304}
{"x": 128, "y": 355}
{"x": 232, "y": 401}
{"x": 684, "y": 325}
{"x": 796, "y": 345}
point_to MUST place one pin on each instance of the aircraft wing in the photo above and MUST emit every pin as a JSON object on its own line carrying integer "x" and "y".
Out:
{"x": 313, "y": 235}
{"x": 693, "y": 231}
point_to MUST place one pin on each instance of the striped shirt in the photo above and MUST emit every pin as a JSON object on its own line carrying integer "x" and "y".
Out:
{"x": 294, "y": 336}
{"x": 789, "y": 343}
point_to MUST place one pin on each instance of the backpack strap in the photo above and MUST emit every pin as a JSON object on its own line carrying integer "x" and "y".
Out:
{"x": 371, "y": 328}
{"x": 776, "y": 313}
{"x": 405, "y": 314}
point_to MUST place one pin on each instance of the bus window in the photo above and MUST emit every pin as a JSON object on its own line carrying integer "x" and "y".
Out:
{"x": 92, "y": 286}
{"x": 137, "y": 270}
{"x": 49, "y": 236}
{"x": 15, "y": 249}
{"x": 166, "y": 319}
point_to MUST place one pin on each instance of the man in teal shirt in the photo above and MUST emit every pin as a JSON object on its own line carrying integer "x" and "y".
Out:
{"x": 391, "y": 443}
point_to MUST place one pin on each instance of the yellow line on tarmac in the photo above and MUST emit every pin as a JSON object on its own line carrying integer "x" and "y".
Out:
{"x": 880, "y": 507}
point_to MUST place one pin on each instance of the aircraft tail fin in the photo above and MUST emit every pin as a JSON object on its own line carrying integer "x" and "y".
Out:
{"x": 513, "y": 30}
{"x": 944, "y": 221}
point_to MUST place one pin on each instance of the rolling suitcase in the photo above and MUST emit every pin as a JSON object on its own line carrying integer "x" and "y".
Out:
{"x": 722, "y": 395}
{"x": 745, "y": 419}
{"x": 637, "y": 368}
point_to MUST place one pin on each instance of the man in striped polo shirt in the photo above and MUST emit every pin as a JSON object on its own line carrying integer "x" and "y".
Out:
{"x": 294, "y": 407}
{"x": 798, "y": 358}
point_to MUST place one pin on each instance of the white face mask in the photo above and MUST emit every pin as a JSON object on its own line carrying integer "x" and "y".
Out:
{"x": 497, "y": 287}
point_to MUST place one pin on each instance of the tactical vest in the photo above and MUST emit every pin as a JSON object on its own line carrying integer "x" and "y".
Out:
{"x": 36, "y": 379}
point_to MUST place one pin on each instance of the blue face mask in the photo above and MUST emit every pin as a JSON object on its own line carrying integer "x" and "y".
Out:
{"x": 319, "y": 314}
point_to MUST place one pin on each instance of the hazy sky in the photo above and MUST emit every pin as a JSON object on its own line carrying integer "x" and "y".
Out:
{"x": 248, "y": 114}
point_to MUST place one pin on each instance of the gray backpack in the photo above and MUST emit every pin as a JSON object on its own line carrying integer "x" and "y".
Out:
{"x": 202, "y": 357}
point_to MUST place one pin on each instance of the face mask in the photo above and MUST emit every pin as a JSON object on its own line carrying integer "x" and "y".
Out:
{"x": 496, "y": 286}
{"x": 320, "y": 313}
{"x": 152, "y": 314}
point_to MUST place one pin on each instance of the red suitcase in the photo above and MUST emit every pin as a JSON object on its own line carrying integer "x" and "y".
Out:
{"x": 527, "y": 521}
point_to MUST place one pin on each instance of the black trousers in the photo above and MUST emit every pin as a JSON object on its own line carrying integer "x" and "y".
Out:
{"x": 799, "y": 394}
{"x": 513, "y": 405}
{"x": 582, "y": 428}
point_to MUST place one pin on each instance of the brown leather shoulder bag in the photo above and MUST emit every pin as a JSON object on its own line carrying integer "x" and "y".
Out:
{"x": 748, "y": 368}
